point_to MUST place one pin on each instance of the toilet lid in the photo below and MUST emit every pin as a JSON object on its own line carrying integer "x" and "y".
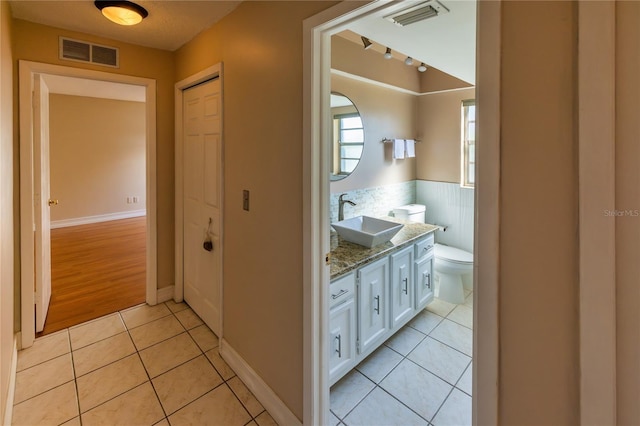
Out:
{"x": 453, "y": 254}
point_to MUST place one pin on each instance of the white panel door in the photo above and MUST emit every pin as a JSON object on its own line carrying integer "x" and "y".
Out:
{"x": 401, "y": 286}
{"x": 202, "y": 168}
{"x": 41, "y": 200}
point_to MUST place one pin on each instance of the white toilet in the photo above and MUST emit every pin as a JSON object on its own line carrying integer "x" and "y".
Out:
{"x": 453, "y": 266}
{"x": 453, "y": 272}
{"x": 411, "y": 212}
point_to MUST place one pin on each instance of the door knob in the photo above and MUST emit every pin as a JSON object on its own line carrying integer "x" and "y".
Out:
{"x": 53, "y": 202}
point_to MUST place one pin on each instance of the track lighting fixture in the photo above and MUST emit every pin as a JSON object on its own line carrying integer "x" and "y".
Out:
{"x": 366, "y": 42}
{"x": 122, "y": 12}
{"x": 387, "y": 54}
{"x": 408, "y": 61}
{"x": 422, "y": 67}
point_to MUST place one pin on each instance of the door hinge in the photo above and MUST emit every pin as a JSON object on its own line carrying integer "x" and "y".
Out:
{"x": 358, "y": 345}
{"x": 327, "y": 259}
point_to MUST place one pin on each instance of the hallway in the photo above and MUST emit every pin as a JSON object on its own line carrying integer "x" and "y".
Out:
{"x": 146, "y": 365}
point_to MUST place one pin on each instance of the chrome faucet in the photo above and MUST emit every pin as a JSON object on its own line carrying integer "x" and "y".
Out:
{"x": 341, "y": 202}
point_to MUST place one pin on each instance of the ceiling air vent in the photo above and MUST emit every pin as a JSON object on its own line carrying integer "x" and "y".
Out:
{"x": 417, "y": 13}
{"x": 82, "y": 51}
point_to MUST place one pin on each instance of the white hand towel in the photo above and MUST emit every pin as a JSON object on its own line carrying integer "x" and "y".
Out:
{"x": 410, "y": 148}
{"x": 398, "y": 148}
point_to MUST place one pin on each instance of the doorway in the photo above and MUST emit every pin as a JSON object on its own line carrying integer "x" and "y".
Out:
{"x": 34, "y": 276}
{"x": 318, "y": 31}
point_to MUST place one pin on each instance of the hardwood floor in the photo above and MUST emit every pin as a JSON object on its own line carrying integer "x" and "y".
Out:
{"x": 96, "y": 269}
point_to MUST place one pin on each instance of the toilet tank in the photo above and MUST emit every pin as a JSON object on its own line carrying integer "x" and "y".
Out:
{"x": 411, "y": 212}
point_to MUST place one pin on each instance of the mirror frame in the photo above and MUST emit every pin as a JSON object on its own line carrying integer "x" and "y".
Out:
{"x": 336, "y": 142}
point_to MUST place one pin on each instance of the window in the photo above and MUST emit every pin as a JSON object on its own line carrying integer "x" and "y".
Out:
{"x": 467, "y": 178}
{"x": 350, "y": 141}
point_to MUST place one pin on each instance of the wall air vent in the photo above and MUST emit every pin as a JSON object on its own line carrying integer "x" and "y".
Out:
{"x": 82, "y": 51}
{"x": 417, "y": 13}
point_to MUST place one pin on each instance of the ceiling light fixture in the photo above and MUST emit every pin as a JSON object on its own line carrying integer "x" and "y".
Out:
{"x": 422, "y": 67}
{"x": 408, "y": 61}
{"x": 366, "y": 42}
{"x": 387, "y": 54}
{"x": 122, "y": 12}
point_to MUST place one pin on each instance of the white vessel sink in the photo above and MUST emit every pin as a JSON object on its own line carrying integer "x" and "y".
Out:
{"x": 366, "y": 231}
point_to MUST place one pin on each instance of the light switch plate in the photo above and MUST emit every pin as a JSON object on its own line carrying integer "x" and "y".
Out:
{"x": 245, "y": 199}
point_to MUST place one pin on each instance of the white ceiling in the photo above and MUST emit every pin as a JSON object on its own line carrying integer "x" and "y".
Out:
{"x": 446, "y": 42}
{"x": 170, "y": 24}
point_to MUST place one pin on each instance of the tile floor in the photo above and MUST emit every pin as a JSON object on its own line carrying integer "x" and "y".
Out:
{"x": 420, "y": 376}
{"x": 142, "y": 366}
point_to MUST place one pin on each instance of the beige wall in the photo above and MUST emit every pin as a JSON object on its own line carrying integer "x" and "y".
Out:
{"x": 97, "y": 156}
{"x": 538, "y": 308}
{"x": 385, "y": 113}
{"x": 439, "y": 125}
{"x": 260, "y": 44}
{"x": 628, "y": 198}
{"x": 6, "y": 206}
{"x": 39, "y": 43}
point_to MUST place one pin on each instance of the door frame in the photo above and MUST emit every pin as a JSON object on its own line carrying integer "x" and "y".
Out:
{"x": 317, "y": 31}
{"x": 26, "y": 71}
{"x": 214, "y": 71}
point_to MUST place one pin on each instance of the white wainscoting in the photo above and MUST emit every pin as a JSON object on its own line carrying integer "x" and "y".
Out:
{"x": 450, "y": 205}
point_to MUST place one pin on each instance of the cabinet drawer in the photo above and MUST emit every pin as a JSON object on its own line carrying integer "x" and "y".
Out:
{"x": 424, "y": 246}
{"x": 342, "y": 289}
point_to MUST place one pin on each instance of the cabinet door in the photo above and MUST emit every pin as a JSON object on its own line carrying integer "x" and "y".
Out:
{"x": 342, "y": 339}
{"x": 402, "y": 288}
{"x": 373, "y": 317}
{"x": 424, "y": 281}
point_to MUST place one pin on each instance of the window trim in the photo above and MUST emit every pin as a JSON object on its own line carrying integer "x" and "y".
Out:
{"x": 464, "y": 145}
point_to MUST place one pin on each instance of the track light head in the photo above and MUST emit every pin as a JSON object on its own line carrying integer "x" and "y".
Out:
{"x": 387, "y": 54}
{"x": 408, "y": 61}
{"x": 366, "y": 42}
{"x": 422, "y": 67}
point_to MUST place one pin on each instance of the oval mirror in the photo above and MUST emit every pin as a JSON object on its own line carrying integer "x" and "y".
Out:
{"x": 348, "y": 136}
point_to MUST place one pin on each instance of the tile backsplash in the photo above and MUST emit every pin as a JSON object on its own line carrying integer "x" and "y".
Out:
{"x": 378, "y": 201}
{"x": 446, "y": 204}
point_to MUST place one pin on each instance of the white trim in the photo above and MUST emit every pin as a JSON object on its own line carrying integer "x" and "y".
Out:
{"x": 165, "y": 293}
{"x": 373, "y": 82}
{"x": 26, "y": 71}
{"x": 263, "y": 393}
{"x": 214, "y": 71}
{"x": 486, "y": 265}
{"x": 8, "y": 408}
{"x": 65, "y": 223}
{"x": 596, "y": 177}
{"x": 391, "y": 86}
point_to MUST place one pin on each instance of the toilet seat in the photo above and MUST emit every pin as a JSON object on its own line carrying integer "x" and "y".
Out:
{"x": 452, "y": 254}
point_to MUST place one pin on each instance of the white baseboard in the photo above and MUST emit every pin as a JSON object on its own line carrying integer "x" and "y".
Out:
{"x": 165, "y": 293}
{"x": 96, "y": 219}
{"x": 267, "y": 397}
{"x": 8, "y": 408}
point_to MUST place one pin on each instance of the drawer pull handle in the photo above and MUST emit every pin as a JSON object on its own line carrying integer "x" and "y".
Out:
{"x": 427, "y": 248}
{"x": 406, "y": 286}
{"x": 340, "y": 293}
{"x": 339, "y": 348}
{"x": 427, "y": 280}
{"x": 377, "y": 308}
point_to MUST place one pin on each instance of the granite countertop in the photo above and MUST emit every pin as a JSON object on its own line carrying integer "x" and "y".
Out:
{"x": 346, "y": 256}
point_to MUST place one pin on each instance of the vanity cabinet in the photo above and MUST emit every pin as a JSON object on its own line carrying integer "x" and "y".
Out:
{"x": 368, "y": 305}
{"x": 402, "y": 287}
{"x": 373, "y": 295}
{"x": 342, "y": 326}
{"x": 423, "y": 272}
